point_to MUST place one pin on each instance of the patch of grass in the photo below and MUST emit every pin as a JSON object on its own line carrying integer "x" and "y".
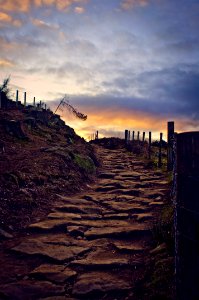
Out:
{"x": 163, "y": 230}
{"x": 85, "y": 163}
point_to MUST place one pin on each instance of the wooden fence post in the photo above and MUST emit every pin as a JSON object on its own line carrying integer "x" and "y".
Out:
{"x": 187, "y": 214}
{"x": 138, "y": 137}
{"x": 143, "y": 138}
{"x": 126, "y": 136}
{"x": 17, "y": 97}
{"x": 97, "y": 135}
{"x": 34, "y": 101}
{"x": 133, "y": 136}
{"x": 170, "y": 138}
{"x": 129, "y": 136}
{"x": 149, "y": 149}
{"x": 160, "y": 152}
{"x": 24, "y": 98}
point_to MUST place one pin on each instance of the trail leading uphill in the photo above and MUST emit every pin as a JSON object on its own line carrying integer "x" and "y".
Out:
{"x": 93, "y": 245}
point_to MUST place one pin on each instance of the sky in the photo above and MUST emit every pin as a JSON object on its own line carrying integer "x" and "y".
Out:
{"x": 126, "y": 64}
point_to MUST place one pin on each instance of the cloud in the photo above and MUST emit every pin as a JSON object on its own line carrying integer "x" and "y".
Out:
{"x": 79, "y": 10}
{"x": 6, "y": 19}
{"x": 4, "y": 63}
{"x": 15, "y": 5}
{"x": 45, "y": 25}
{"x": 129, "y": 4}
{"x": 25, "y": 5}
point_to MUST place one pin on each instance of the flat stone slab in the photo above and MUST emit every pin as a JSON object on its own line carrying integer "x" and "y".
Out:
{"x": 102, "y": 259}
{"x": 131, "y": 192}
{"x": 133, "y": 230}
{"x": 99, "y": 282}
{"x": 62, "y": 215}
{"x": 104, "y": 223}
{"x": 79, "y": 209}
{"x": 56, "y": 252}
{"x": 106, "y": 175}
{"x": 30, "y": 289}
{"x": 156, "y": 203}
{"x": 144, "y": 217}
{"x": 53, "y": 273}
{"x": 125, "y": 206}
{"x": 131, "y": 174}
{"x": 125, "y": 246}
{"x": 115, "y": 216}
{"x": 50, "y": 224}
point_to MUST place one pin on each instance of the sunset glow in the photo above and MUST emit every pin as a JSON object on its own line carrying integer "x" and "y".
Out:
{"x": 127, "y": 64}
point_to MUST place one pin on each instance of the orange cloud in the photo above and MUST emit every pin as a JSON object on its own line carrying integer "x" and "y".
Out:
{"x": 113, "y": 121}
{"x": 4, "y": 63}
{"x": 25, "y": 5}
{"x": 15, "y": 5}
{"x": 5, "y": 17}
{"x": 129, "y": 4}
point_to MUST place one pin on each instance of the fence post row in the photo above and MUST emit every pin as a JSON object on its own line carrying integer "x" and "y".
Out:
{"x": 187, "y": 211}
{"x": 170, "y": 140}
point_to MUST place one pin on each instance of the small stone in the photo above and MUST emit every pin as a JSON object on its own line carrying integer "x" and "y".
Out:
{"x": 5, "y": 234}
{"x": 161, "y": 248}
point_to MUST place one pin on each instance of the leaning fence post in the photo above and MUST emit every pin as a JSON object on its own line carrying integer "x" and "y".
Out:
{"x": 170, "y": 137}
{"x": 149, "y": 145}
{"x": 24, "y": 98}
{"x": 160, "y": 152}
{"x": 17, "y": 97}
{"x": 187, "y": 214}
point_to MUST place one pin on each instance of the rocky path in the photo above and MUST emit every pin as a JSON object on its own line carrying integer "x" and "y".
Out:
{"x": 92, "y": 245}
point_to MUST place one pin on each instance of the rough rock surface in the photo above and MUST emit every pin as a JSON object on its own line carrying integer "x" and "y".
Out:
{"x": 93, "y": 245}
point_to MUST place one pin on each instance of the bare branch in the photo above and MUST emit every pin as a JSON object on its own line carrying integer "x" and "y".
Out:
{"x": 65, "y": 103}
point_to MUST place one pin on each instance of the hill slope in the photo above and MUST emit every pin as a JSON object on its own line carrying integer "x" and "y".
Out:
{"x": 39, "y": 157}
